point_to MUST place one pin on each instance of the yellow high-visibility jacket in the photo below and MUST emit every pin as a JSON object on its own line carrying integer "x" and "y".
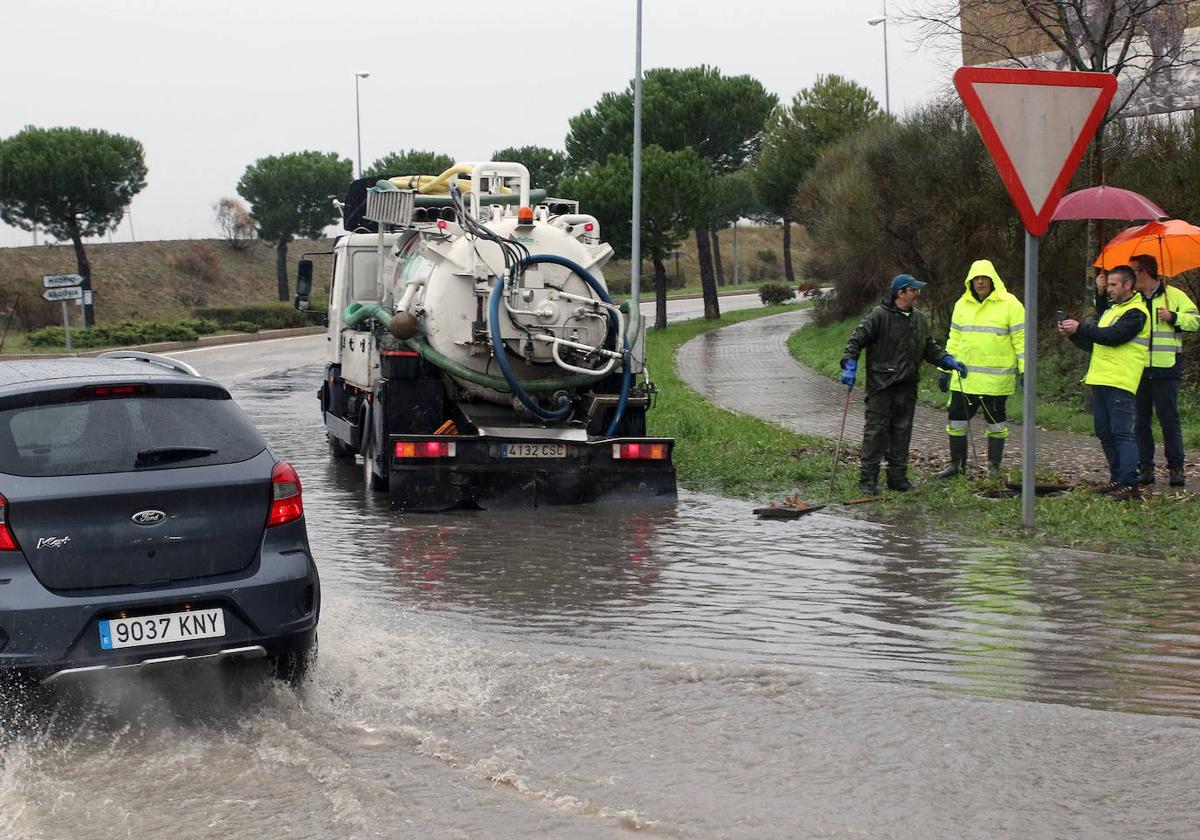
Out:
{"x": 987, "y": 336}
{"x": 1166, "y": 339}
{"x": 1119, "y": 365}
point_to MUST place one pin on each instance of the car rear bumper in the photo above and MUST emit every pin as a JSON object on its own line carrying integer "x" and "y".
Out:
{"x": 478, "y": 475}
{"x": 271, "y": 608}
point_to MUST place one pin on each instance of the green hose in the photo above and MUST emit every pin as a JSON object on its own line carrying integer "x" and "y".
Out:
{"x": 356, "y": 313}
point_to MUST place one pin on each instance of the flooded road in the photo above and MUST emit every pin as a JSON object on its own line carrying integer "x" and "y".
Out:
{"x": 680, "y": 670}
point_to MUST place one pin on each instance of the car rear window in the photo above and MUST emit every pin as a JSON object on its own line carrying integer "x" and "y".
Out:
{"x": 84, "y": 437}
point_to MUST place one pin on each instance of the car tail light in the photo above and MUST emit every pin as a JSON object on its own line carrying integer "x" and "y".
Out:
{"x": 640, "y": 451}
{"x": 286, "y": 502}
{"x": 7, "y": 541}
{"x": 424, "y": 449}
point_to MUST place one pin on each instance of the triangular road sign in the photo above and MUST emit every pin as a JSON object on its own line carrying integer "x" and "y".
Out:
{"x": 1036, "y": 124}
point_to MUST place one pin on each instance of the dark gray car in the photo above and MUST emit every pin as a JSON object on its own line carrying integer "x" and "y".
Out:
{"x": 143, "y": 522}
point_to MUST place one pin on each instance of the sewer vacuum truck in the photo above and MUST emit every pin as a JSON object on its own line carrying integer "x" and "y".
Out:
{"x": 476, "y": 357}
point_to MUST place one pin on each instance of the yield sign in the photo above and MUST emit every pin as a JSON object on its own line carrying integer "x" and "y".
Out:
{"x": 1036, "y": 124}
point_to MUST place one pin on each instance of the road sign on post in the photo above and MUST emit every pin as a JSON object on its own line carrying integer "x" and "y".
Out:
{"x": 1036, "y": 124}
{"x": 63, "y": 293}
{"x": 55, "y": 281}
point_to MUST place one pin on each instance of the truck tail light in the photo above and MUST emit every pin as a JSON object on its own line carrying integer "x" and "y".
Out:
{"x": 424, "y": 449}
{"x": 286, "y": 502}
{"x": 7, "y": 541}
{"x": 640, "y": 451}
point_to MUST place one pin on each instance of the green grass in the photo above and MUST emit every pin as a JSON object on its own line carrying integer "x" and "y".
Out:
{"x": 720, "y": 451}
{"x": 1060, "y": 390}
{"x": 723, "y": 452}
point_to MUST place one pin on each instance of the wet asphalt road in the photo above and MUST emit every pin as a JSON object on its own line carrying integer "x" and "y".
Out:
{"x": 677, "y": 670}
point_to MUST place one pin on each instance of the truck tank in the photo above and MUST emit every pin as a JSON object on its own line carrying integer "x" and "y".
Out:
{"x": 547, "y": 301}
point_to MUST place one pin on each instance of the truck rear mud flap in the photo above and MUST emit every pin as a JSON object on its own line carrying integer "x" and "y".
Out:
{"x": 438, "y": 473}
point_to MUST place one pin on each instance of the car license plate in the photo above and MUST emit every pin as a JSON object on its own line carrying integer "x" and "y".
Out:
{"x": 161, "y": 629}
{"x": 534, "y": 450}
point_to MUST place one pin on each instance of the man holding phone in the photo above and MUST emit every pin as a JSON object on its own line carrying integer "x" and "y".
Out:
{"x": 1120, "y": 345}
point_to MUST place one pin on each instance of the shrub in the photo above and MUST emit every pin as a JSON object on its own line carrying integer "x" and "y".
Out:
{"x": 244, "y": 326}
{"x": 268, "y": 316}
{"x": 767, "y": 255}
{"x": 124, "y": 334}
{"x": 772, "y": 294}
{"x": 201, "y": 261}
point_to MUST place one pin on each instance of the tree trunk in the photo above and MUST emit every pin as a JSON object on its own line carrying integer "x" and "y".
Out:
{"x": 716, "y": 243}
{"x": 712, "y": 308}
{"x": 660, "y": 293}
{"x": 281, "y": 275}
{"x": 787, "y": 251}
{"x": 85, "y": 271}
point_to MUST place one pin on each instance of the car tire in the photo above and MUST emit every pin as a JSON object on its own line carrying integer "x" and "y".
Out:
{"x": 372, "y": 480}
{"x": 294, "y": 666}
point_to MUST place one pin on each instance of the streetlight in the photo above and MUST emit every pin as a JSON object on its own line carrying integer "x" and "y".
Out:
{"x": 357, "y": 118}
{"x": 887, "y": 93}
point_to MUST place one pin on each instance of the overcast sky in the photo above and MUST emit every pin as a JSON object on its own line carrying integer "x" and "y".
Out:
{"x": 209, "y": 86}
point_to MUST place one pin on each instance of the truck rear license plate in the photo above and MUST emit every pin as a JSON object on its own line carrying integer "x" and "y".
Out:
{"x": 162, "y": 629}
{"x": 534, "y": 450}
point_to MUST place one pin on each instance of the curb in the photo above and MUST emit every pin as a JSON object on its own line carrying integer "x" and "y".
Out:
{"x": 166, "y": 346}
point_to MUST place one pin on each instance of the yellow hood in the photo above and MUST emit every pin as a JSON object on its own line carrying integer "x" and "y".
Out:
{"x": 985, "y": 268}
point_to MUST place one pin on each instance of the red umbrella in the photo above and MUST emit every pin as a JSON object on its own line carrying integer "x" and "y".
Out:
{"x": 1105, "y": 202}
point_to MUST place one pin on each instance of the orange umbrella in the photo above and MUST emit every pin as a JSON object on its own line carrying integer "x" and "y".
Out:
{"x": 1174, "y": 243}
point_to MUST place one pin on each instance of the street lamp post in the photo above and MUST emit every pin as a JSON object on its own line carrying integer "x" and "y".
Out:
{"x": 358, "y": 117}
{"x": 887, "y": 93}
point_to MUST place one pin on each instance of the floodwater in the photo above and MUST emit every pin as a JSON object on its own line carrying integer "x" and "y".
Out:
{"x": 679, "y": 670}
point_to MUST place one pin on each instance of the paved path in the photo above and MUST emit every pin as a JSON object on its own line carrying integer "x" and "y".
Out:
{"x": 747, "y": 368}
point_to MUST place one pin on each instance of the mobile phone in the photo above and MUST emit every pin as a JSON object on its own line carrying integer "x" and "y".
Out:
{"x": 1060, "y": 316}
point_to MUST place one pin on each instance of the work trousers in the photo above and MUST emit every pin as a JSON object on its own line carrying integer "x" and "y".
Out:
{"x": 1112, "y": 413}
{"x": 887, "y": 430}
{"x": 964, "y": 406}
{"x": 1161, "y": 397}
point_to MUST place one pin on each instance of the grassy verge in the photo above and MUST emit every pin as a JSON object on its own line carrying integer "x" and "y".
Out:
{"x": 731, "y": 454}
{"x": 1060, "y": 369}
{"x": 720, "y": 451}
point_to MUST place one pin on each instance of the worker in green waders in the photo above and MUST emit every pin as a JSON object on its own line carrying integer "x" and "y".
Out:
{"x": 896, "y": 336}
{"x": 987, "y": 334}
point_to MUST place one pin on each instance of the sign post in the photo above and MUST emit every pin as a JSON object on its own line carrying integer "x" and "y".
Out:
{"x": 1036, "y": 124}
{"x": 63, "y": 287}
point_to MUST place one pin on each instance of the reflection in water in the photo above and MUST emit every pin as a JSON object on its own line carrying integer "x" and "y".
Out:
{"x": 702, "y": 580}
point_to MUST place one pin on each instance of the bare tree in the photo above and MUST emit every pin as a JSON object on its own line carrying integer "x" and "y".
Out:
{"x": 235, "y": 223}
{"x": 1151, "y": 46}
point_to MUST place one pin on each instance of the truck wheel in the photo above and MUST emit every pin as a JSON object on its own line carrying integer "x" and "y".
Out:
{"x": 338, "y": 447}
{"x": 372, "y": 480}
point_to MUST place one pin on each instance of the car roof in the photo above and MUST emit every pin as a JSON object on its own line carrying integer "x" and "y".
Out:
{"x": 17, "y": 376}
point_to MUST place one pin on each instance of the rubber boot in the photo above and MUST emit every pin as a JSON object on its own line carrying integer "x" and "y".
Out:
{"x": 868, "y": 480}
{"x": 897, "y": 479}
{"x": 995, "y": 457}
{"x": 958, "y": 457}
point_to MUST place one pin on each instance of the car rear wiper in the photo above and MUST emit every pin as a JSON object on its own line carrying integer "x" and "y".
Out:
{"x": 162, "y": 454}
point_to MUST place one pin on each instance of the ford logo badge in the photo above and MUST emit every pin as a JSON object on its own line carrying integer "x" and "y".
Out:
{"x": 148, "y": 517}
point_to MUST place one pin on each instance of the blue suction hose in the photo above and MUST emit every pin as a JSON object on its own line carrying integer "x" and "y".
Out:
{"x": 564, "y": 406}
